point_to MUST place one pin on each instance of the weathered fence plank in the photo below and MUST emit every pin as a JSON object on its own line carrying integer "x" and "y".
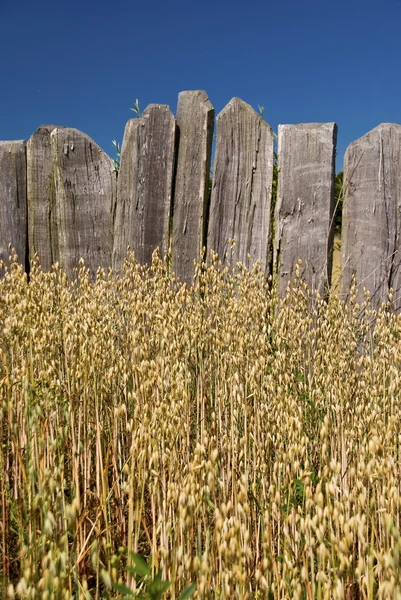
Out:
{"x": 59, "y": 197}
{"x": 144, "y": 190}
{"x": 42, "y": 226}
{"x": 242, "y": 186}
{"x": 85, "y": 196}
{"x": 195, "y": 119}
{"x": 13, "y": 209}
{"x": 305, "y": 203}
{"x": 371, "y": 230}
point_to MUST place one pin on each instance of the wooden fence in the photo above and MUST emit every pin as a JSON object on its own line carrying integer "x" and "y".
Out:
{"x": 61, "y": 197}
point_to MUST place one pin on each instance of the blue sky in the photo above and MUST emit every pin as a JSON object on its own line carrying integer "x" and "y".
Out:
{"x": 83, "y": 63}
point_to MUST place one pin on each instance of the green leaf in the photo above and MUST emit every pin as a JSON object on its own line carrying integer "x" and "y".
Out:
{"x": 156, "y": 588}
{"x": 123, "y": 589}
{"x": 140, "y": 566}
{"x": 188, "y": 592}
{"x": 132, "y": 571}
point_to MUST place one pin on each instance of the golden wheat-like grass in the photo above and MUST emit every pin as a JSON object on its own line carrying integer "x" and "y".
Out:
{"x": 247, "y": 444}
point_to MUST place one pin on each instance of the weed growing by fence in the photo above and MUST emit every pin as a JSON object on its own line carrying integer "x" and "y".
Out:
{"x": 246, "y": 445}
{"x": 117, "y": 147}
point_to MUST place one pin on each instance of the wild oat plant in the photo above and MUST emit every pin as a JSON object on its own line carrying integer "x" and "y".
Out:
{"x": 246, "y": 445}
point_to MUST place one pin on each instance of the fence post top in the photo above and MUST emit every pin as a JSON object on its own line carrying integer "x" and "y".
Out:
{"x": 236, "y": 104}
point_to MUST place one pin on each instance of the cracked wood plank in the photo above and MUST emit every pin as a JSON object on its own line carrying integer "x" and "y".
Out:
{"x": 242, "y": 187}
{"x": 13, "y": 202}
{"x": 41, "y": 198}
{"x": 85, "y": 194}
{"x": 304, "y": 224}
{"x": 195, "y": 120}
{"x": 144, "y": 189}
{"x": 371, "y": 225}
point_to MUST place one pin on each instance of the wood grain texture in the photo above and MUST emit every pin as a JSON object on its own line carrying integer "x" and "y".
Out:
{"x": 13, "y": 203}
{"x": 195, "y": 120}
{"x": 242, "y": 186}
{"x": 144, "y": 190}
{"x": 85, "y": 196}
{"x": 41, "y": 198}
{"x": 305, "y": 204}
{"x": 371, "y": 238}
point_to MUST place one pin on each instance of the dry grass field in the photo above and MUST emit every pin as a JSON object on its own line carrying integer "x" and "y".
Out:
{"x": 247, "y": 445}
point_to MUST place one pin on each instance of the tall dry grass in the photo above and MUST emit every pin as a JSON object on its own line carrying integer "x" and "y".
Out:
{"x": 246, "y": 444}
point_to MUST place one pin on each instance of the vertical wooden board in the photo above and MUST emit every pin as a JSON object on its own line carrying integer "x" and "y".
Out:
{"x": 242, "y": 187}
{"x": 195, "y": 119}
{"x": 85, "y": 195}
{"x": 13, "y": 203}
{"x": 371, "y": 214}
{"x": 145, "y": 186}
{"x": 392, "y": 175}
{"x": 126, "y": 189}
{"x": 304, "y": 223}
{"x": 41, "y": 198}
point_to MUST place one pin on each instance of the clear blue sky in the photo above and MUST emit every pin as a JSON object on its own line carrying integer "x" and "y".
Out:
{"x": 83, "y": 63}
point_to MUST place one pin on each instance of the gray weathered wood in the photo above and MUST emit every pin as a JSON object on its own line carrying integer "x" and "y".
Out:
{"x": 371, "y": 229}
{"x": 195, "y": 118}
{"x": 41, "y": 198}
{"x": 242, "y": 186}
{"x": 145, "y": 186}
{"x": 13, "y": 205}
{"x": 305, "y": 204}
{"x": 85, "y": 196}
